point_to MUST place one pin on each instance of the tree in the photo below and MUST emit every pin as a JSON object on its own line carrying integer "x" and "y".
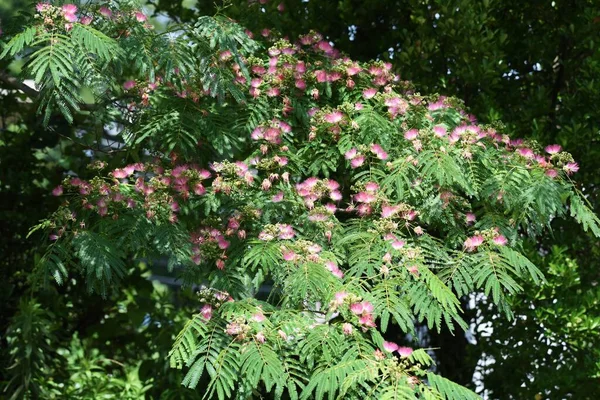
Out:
{"x": 376, "y": 205}
{"x": 109, "y": 101}
{"x": 530, "y": 64}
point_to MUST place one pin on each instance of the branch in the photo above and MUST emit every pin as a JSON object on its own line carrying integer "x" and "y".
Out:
{"x": 14, "y": 83}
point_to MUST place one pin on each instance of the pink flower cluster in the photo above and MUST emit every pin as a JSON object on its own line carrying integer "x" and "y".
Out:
{"x": 473, "y": 242}
{"x": 313, "y": 189}
{"x": 271, "y": 133}
{"x": 391, "y": 347}
{"x": 334, "y": 269}
{"x": 364, "y": 311}
{"x": 280, "y": 231}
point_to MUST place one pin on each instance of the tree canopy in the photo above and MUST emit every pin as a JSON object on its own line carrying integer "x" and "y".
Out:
{"x": 318, "y": 210}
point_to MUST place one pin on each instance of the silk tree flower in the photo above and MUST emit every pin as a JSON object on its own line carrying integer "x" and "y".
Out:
{"x": 338, "y": 298}
{"x": 86, "y": 20}
{"x": 357, "y": 161}
{"x": 41, "y": 7}
{"x": 356, "y": 308}
{"x": 398, "y": 244}
{"x": 364, "y": 197}
{"x": 378, "y": 151}
{"x": 288, "y": 255}
{"x": 206, "y": 312}
{"x": 470, "y": 218}
{"x": 105, "y": 12}
{"x": 388, "y": 211}
{"x": 69, "y": 8}
{"x": 553, "y": 149}
{"x": 500, "y": 240}
{"x": 473, "y": 242}
{"x": 405, "y": 351}
{"x": 334, "y": 117}
{"x": 390, "y": 346}
{"x": 258, "y": 317}
{"x": 57, "y": 191}
{"x": 347, "y": 328}
{"x": 439, "y": 131}
{"x": 371, "y": 187}
{"x": 411, "y": 134}
{"x": 350, "y": 154}
{"x": 129, "y": 85}
{"x": 526, "y": 152}
{"x": 369, "y": 93}
{"x": 353, "y": 69}
{"x": 277, "y": 198}
{"x": 314, "y": 248}
{"x": 552, "y": 173}
{"x": 571, "y": 167}
{"x": 367, "y": 321}
{"x": 286, "y": 232}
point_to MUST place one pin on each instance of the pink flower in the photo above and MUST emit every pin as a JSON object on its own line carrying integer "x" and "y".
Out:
{"x": 413, "y": 269}
{"x": 70, "y": 18}
{"x": 388, "y": 211}
{"x": 314, "y": 248}
{"x": 357, "y": 161}
{"x": 105, "y": 12}
{"x": 369, "y": 93}
{"x": 347, "y": 329}
{"x": 367, "y": 320}
{"x": 350, "y": 154}
{"x": 364, "y": 197}
{"x": 206, "y": 312}
{"x": 371, "y": 187}
{"x": 378, "y": 151}
{"x": 140, "y": 17}
{"x": 260, "y": 337}
{"x": 411, "y": 134}
{"x": 40, "y": 7}
{"x": 300, "y": 84}
{"x": 439, "y": 131}
{"x": 258, "y": 317}
{"x": 57, "y": 191}
{"x": 473, "y": 242}
{"x": 69, "y": 8}
{"x": 86, "y": 20}
{"x": 288, "y": 255}
{"x": 334, "y": 117}
{"x": 552, "y": 173}
{"x": 120, "y": 173}
{"x": 526, "y": 152}
{"x": 500, "y": 240}
{"x": 404, "y": 351}
{"x": 321, "y": 75}
{"x": 571, "y": 167}
{"x": 378, "y": 354}
{"x": 339, "y": 298}
{"x": 220, "y": 264}
{"x": 390, "y": 346}
{"x": 277, "y": 198}
{"x": 470, "y": 218}
{"x": 398, "y": 244}
{"x": 553, "y": 149}
{"x": 286, "y": 232}
{"x": 356, "y": 308}
{"x": 129, "y": 85}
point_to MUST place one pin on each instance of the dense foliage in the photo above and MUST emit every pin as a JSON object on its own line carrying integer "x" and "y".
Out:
{"x": 360, "y": 202}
